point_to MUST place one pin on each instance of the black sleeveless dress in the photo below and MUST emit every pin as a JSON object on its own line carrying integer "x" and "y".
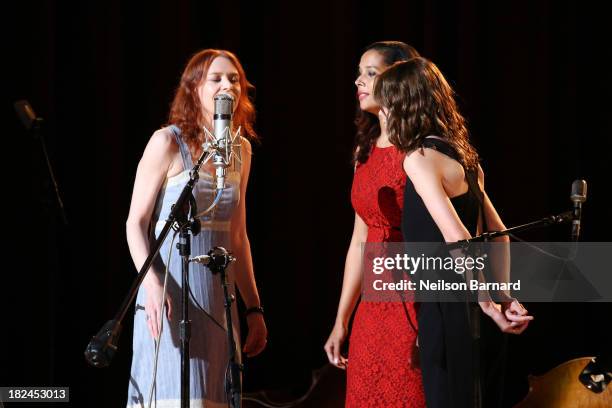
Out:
{"x": 447, "y": 350}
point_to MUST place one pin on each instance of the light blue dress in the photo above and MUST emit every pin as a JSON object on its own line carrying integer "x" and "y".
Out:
{"x": 208, "y": 348}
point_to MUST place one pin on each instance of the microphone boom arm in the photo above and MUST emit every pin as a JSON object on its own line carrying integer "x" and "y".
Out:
{"x": 564, "y": 217}
{"x": 102, "y": 347}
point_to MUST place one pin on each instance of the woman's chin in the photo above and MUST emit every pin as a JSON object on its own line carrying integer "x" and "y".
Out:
{"x": 373, "y": 109}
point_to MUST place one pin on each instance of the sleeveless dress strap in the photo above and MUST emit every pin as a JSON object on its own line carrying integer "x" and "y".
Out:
{"x": 472, "y": 180}
{"x": 471, "y": 175}
{"x": 184, "y": 149}
{"x": 441, "y": 146}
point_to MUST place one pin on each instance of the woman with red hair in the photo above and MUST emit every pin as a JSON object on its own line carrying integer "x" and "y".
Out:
{"x": 162, "y": 173}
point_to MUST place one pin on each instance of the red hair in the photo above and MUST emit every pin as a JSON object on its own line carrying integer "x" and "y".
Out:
{"x": 186, "y": 108}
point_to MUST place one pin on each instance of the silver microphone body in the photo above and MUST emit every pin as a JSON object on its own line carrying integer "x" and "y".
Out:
{"x": 222, "y": 123}
{"x": 579, "y": 193}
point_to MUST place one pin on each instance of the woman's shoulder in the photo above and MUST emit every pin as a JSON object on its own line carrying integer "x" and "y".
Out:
{"x": 162, "y": 142}
{"x": 422, "y": 156}
{"x": 166, "y": 133}
{"x": 425, "y": 159}
{"x": 433, "y": 149}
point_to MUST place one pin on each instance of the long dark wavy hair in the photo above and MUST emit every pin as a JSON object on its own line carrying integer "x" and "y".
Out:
{"x": 186, "y": 108}
{"x": 368, "y": 126}
{"x": 421, "y": 103}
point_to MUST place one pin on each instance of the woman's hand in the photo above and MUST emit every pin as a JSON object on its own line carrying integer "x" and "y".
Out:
{"x": 510, "y": 317}
{"x": 333, "y": 345}
{"x": 257, "y": 336}
{"x": 153, "y": 298}
{"x": 516, "y": 314}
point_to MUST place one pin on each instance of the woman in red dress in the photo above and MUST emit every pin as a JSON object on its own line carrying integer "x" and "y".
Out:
{"x": 382, "y": 371}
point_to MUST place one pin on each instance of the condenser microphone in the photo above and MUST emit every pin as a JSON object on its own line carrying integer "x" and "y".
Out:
{"x": 579, "y": 193}
{"x": 222, "y": 122}
{"x": 27, "y": 116}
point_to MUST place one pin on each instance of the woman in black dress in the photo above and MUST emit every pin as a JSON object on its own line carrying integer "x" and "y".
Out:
{"x": 445, "y": 202}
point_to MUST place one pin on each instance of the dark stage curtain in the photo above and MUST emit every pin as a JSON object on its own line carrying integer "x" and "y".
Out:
{"x": 531, "y": 79}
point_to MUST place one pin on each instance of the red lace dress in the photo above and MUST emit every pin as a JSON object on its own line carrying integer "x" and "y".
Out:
{"x": 382, "y": 369}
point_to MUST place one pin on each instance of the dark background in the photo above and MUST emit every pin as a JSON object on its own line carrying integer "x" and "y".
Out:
{"x": 531, "y": 79}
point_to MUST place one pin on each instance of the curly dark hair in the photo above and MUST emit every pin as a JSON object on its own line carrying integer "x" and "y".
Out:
{"x": 421, "y": 103}
{"x": 368, "y": 127}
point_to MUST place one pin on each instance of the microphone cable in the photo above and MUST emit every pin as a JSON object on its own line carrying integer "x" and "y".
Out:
{"x": 161, "y": 322}
{"x": 571, "y": 257}
{"x": 213, "y": 205}
{"x": 262, "y": 398}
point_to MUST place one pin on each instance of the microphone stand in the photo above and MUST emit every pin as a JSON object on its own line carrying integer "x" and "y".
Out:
{"x": 35, "y": 125}
{"x": 217, "y": 261}
{"x": 472, "y": 307}
{"x": 103, "y": 346}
